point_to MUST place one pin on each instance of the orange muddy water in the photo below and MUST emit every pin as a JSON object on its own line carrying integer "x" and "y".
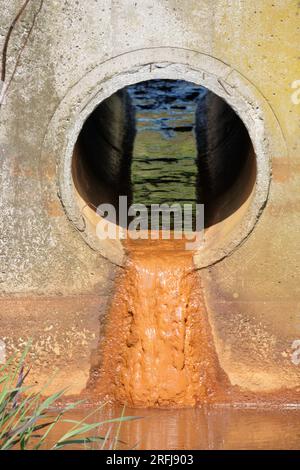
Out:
{"x": 157, "y": 349}
{"x": 209, "y": 427}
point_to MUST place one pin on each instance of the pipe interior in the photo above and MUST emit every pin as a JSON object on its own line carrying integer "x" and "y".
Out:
{"x": 165, "y": 141}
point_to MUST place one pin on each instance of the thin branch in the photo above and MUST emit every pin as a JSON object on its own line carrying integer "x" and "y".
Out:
{"x": 7, "y": 39}
{"x": 5, "y": 86}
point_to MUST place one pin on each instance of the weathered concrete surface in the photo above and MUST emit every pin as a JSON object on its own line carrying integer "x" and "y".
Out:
{"x": 77, "y": 54}
{"x": 64, "y": 329}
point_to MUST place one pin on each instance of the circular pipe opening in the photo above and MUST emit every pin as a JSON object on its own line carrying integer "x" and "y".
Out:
{"x": 166, "y": 141}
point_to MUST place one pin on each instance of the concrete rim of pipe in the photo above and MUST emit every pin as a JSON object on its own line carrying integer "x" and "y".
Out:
{"x": 175, "y": 64}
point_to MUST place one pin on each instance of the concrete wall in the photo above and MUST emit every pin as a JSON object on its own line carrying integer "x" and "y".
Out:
{"x": 63, "y": 59}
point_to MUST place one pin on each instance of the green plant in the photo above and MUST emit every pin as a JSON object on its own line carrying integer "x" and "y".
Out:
{"x": 27, "y": 419}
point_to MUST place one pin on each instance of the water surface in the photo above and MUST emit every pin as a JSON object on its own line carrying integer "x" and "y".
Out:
{"x": 212, "y": 428}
